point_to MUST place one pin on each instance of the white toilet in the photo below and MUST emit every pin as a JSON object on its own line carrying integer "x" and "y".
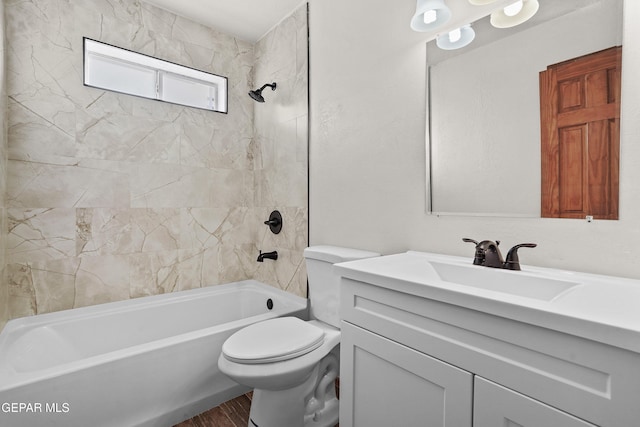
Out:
{"x": 292, "y": 364}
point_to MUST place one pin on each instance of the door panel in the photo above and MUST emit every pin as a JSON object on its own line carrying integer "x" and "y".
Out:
{"x": 496, "y": 406}
{"x": 580, "y": 171}
{"x": 384, "y": 383}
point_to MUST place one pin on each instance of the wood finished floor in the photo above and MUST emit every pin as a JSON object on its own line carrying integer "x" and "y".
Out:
{"x": 234, "y": 413}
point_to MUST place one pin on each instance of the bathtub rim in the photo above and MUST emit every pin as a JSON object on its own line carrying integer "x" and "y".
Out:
{"x": 14, "y": 379}
{"x": 107, "y": 307}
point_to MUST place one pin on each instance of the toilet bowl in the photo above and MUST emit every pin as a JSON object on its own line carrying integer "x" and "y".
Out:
{"x": 290, "y": 363}
{"x": 294, "y": 386}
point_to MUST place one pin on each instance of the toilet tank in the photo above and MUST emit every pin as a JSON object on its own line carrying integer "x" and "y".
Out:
{"x": 324, "y": 284}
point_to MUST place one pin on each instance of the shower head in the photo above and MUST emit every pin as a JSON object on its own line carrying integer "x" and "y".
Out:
{"x": 257, "y": 94}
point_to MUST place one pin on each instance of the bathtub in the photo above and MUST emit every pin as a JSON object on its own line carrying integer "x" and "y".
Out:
{"x": 150, "y": 361}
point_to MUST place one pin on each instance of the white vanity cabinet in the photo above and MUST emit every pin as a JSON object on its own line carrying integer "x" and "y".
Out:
{"x": 384, "y": 383}
{"x": 413, "y": 356}
{"x": 497, "y": 406}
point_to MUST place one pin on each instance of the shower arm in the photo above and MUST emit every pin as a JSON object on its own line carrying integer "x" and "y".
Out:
{"x": 271, "y": 85}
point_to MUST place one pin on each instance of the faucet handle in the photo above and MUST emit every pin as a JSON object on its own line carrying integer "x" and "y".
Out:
{"x": 513, "y": 261}
{"x": 478, "y": 258}
{"x": 274, "y": 222}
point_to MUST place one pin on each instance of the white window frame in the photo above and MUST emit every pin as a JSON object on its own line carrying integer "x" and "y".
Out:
{"x": 208, "y": 91}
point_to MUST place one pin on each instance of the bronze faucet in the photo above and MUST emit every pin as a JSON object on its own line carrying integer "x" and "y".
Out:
{"x": 488, "y": 254}
{"x": 268, "y": 255}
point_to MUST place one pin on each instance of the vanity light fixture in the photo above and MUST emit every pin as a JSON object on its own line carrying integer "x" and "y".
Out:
{"x": 514, "y": 14}
{"x": 430, "y": 14}
{"x": 457, "y": 38}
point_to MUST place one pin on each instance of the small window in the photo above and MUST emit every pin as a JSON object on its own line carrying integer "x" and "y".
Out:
{"x": 120, "y": 70}
{"x": 187, "y": 91}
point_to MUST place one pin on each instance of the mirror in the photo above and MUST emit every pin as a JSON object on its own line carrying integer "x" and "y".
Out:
{"x": 483, "y": 141}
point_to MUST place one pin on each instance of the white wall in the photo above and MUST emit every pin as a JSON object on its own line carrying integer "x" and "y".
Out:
{"x": 367, "y": 152}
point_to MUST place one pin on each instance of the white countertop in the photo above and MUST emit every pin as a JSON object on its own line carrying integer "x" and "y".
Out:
{"x": 601, "y": 308}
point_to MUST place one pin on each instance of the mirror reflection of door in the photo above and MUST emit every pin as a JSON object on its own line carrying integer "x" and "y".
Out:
{"x": 580, "y": 129}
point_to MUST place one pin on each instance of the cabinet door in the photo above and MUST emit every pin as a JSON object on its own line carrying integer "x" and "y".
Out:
{"x": 383, "y": 383}
{"x": 495, "y": 405}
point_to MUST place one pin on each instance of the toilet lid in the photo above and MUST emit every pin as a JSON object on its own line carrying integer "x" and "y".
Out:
{"x": 273, "y": 340}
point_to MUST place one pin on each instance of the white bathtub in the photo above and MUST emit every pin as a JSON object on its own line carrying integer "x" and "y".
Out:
{"x": 149, "y": 361}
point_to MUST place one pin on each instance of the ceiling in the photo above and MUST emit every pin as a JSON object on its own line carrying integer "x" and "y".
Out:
{"x": 245, "y": 19}
{"x": 250, "y": 20}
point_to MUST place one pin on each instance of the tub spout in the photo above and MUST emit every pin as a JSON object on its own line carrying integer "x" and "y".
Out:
{"x": 269, "y": 255}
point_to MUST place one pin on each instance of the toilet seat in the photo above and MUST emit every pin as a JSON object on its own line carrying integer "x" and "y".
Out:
{"x": 273, "y": 340}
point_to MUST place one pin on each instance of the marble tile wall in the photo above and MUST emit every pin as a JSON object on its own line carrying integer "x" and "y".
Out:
{"x": 4, "y": 289}
{"x": 280, "y": 128}
{"x": 111, "y": 196}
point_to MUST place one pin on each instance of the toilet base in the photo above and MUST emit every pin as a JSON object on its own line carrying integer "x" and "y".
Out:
{"x": 310, "y": 404}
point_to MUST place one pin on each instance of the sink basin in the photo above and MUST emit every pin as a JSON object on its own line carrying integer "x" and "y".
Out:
{"x": 600, "y": 308}
{"x": 507, "y": 281}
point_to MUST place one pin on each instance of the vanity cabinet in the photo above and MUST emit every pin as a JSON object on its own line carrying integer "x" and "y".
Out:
{"x": 495, "y": 405}
{"x": 410, "y": 359}
{"x": 389, "y": 384}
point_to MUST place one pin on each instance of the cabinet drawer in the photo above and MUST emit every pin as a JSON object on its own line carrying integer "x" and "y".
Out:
{"x": 494, "y": 405}
{"x": 384, "y": 383}
{"x": 590, "y": 380}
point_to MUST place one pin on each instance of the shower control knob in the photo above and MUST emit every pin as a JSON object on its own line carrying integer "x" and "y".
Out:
{"x": 274, "y": 222}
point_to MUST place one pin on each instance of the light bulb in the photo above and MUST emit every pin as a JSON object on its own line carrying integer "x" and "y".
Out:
{"x": 430, "y": 16}
{"x": 455, "y": 35}
{"x": 513, "y": 9}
